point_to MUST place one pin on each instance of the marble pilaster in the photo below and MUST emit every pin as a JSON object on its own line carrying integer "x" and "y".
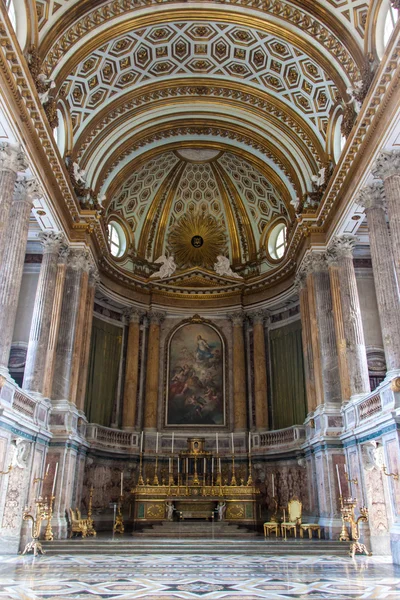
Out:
{"x": 70, "y": 310}
{"x": 55, "y": 322}
{"x": 316, "y": 354}
{"x": 12, "y": 263}
{"x": 387, "y": 293}
{"x": 260, "y": 371}
{"x": 387, "y": 168}
{"x": 152, "y": 373}
{"x": 144, "y": 330}
{"x": 352, "y": 335}
{"x": 239, "y": 373}
{"x": 87, "y": 336}
{"x": 42, "y": 313}
{"x": 131, "y": 371}
{"x": 306, "y": 333}
{"x": 326, "y": 328}
{"x": 12, "y": 161}
{"x": 339, "y": 327}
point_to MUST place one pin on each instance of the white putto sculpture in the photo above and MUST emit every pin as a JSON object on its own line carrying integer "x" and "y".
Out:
{"x": 222, "y": 267}
{"x": 79, "y": 174}
{"x": 320, "y": 178}
{"x": 167, "y": 269}
{"x": 44, "y": 97}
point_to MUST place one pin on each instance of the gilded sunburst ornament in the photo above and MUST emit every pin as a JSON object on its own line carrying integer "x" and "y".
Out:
{"x": 196, "y": 240}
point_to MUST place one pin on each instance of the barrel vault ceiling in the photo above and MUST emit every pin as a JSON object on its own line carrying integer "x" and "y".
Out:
{"x": 227, "y": 105}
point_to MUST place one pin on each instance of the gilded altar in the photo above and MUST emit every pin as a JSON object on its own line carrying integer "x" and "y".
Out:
{"x": 195, "y": 490}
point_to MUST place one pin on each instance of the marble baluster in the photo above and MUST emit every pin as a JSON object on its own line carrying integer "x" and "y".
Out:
{"x": 77, "y": 264}
{"x": 260, "y": 371}
{"x": 87, "y": 336}
{"x": 387, "y": 168}
{"x": 239, "y": 373}
{"x": 326, "y": 329}
{"x": 12, "y": 161}
{"x": 42, "y": 313}
{"x": 387, "y": 294}
{"x": 131, "y": 371}
{"x": 153, "y": 368}
{"x": 341, "y": 249}
{"x": 55, "y": 322}
{"x": 341, "y": 342}
{"x": 301, "y": 284}
{"x": 12, "y": 264}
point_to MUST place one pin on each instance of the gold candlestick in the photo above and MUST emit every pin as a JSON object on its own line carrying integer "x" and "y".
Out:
{"x": 155, "y": 480}
{"x": 347, "y": 510}
{"x": 140, "y": 480}
{"x": 274, "y": 516}
{"x": 119, "y": 519}
{"x": 48, "y": 534}
{"x": 250, "y": 478}
{"x": 195, "y": 476}
{"x": 233, "y": 480}
{"x": 218, "y": 480}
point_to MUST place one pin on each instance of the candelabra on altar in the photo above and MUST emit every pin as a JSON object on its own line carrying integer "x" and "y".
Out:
{"x": 90, "y": 525}
{"x": 119, "y": 519}
{"x": 347, "y": 509}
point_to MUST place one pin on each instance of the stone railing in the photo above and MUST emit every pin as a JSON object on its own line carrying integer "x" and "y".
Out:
{"x": 111, "y": 438}
{"x": 19, "y": 404}
{"x": 280, "y": 439}
{"x": 377, "y": 404}
{"x": 24, "y": 404}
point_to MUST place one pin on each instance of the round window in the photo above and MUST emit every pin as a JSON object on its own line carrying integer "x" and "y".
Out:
{"x": 277, "y": 241}
{"x": 385, "y": 25}
{"x": 116, "y": 239}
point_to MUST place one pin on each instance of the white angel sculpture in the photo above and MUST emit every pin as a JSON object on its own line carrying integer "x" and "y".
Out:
{"x": 44, "y": 97}
{"x": 320, "y": 178}
{"x": 352, "y": 92}
{"x": 79, "y": 174}
{"x": 167, "y": 269}
{"x": 222, "y": 267}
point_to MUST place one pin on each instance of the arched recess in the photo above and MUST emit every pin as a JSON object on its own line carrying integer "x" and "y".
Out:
{"x": 195, "y": 375}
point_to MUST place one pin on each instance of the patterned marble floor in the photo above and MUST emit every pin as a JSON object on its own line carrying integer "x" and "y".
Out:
{"x": 155, "y": 577}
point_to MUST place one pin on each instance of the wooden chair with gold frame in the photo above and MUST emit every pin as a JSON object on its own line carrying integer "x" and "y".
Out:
{"x": 76, "y": 523}
{"x": 310, "y": 527}
{"x": 294, "y": 517}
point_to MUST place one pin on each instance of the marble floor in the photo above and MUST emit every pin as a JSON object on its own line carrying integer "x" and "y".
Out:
{"x": 155, "y": 577}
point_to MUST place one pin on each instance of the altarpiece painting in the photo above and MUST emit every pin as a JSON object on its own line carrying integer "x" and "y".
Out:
{"x": 195, "y": 376}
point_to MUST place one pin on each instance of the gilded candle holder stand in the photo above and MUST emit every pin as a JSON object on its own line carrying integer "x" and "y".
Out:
{"x": 90, "y": 525}
{"x": 274, "y": 516}
{"x": 48, "y": 534}
{"x": 250, "y": 478}
{"x": 196, "y": 480}
{"x": 141, "y": 480}
{"x": 119, "y": 519}
{"x": 41, "y": 513}
{"x": 347, "y": 509}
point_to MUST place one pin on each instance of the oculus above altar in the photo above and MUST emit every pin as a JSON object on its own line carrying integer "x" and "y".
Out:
{"x": 195, "y": 489}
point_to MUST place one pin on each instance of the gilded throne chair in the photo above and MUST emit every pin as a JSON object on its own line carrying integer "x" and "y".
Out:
{"x": 76, "y": 523}
{"x": 294, "y": 517}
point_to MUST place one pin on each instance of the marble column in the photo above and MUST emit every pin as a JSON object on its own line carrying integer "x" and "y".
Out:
{"x": 341, "y": 251}
{"x": 87, "y": 336}
{"x": 55, "y": 322}
{"x": 12, "y": 161}
{"x": 77, "y": 363}
{"x": 260, "y": 371}
{"x": 341, "y": 342}
{"x": 306, "y": 333}
{"x": 316, "y": 352}
{"x": 77, "y": 264}
{"x": 325, "y": 328}
{"x": 12, "y": 263}
{"x": 239, "y": 373}
{"x": 42, "y": 313}
{"x": 387, "y": 168}
{"x": 387, "y": 294}
{"x": 131, "y": 370}
{"x": 152, "y": 373}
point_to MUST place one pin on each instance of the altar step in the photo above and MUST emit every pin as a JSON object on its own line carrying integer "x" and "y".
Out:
{"x": 194, "y": 529}
{"x": 128, "y": 545}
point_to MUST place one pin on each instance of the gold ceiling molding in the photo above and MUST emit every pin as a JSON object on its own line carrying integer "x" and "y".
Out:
{"x": 196, "y": 239}
{"x": 239, "y": 221}
{"x": 341, "y": 45}
{"x": 225, "y": 93}
{"x": 165, "y": 195}
{"x": 148, "y": 155}
{"x": 201, "y": 127}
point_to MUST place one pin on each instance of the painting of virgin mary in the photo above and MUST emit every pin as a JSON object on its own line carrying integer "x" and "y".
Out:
{"x": 195, "y": 387}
